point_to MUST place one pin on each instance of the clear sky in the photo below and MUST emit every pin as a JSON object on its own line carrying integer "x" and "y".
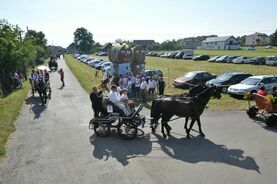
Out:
{"x": 141, "y": 19}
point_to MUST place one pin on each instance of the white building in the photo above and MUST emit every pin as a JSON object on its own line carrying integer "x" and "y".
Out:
{"x": 221, "y": 43}
{"x": 257, "y": 39}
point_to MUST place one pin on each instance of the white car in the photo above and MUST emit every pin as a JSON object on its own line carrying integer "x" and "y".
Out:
{"x": 253, "y": 84}
{"x": 241, "y": 60}
{"x": 185, "y": 56}
{"x": 271, "y": 60}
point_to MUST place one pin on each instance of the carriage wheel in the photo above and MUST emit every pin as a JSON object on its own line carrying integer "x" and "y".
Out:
{"x": 271, "y": 120}
{"x": 101, "y": 129}
{"x": 127, "y": 130}
{"x": 252, "y": 112}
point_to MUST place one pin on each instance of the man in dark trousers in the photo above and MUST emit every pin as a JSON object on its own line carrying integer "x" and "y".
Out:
{"x": 62, "y": 76}
{"x": 96, "y": 102}
{"x": 161, "y": 86}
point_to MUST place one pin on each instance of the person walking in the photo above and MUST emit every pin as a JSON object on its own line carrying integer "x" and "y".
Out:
{"x": 62, "y": 76}
{"x": 143, "y": 89}
{"x": 161, "y": 86}
{"x": 152, "y": 86}
{"x": 133, "y": 86}
{"x": 137, "y": 87}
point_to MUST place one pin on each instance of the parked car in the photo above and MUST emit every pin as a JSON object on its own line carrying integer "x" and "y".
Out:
{"x": 253, "y": 84}
{"x": 152, "y": 73}
{"x": 214, "y": 58}
{"x": 179, "y": 55}
{"x": 227, "y": 79}
{"x": 163, "y": 55}
{"x": 185, "y": 56}
{"x": 95, "y": 62}
{"x": 241, "y": 60}
{"x": 172, "y": 55}
{"x": 192, "y": 78}
{"x": 98, "y": 65}
{"x": 102, "y": 54}
{"x": 201, "y": 58}
{"x": 231, "y": 58}
{"x": 257, "y": 61}
{"x": 271, "y": 60}
{"x": 76, "y": 55}
{"x": 222, "y": 59}
{"x": 104, "y": 63}
{"x": 250, "y": 48}
{"x": 268, "y": 47}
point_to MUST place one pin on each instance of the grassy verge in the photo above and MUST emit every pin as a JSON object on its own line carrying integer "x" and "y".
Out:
{"x": 84, "y": 73}
{"x": 9, "y": 109}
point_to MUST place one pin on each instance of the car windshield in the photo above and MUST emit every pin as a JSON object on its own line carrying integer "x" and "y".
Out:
{"x": 190, "y": 75}
{"x": 250, "y": 81}
{"x": 224, "y": 77}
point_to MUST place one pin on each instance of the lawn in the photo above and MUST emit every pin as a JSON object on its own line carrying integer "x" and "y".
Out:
{"x": 84, "y": 73}
{"x": 173, "y": 68}
{"x": 9, "y": 109}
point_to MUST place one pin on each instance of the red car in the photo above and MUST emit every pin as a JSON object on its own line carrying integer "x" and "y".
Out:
{"x": 190, "y": 79}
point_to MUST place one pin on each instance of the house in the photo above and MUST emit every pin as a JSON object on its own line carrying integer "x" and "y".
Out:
{"x": 257, "y": 39}
{"x": 221, "y": 43}
{"x": 144, "y": 43}
{"x": 189, "y": 43}
{"x": 106, "y": 47}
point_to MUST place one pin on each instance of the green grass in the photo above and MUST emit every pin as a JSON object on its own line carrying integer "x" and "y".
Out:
{"x": 10, "y": 107}
{"x": 84, "y": 73}
{"x": 173, "y": 68}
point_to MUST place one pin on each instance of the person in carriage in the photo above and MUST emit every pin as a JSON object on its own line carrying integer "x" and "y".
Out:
{"x": 114, "y": 97}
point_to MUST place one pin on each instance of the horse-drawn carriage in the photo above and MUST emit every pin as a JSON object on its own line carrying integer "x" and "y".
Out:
{"x": 53, "y": 65}
{"x": 264, "y": 108}
{"x": 115, "y": 120}
{"x": 43, "y": 88}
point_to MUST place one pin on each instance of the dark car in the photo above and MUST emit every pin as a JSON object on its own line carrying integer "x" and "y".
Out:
{"x": 172, "y": 55}
{"x": 201, "y": 58}
{"x": 152, "y": 73}
{"x": 227, "y": 79}
{"x": 179, "y": 55}
{"x": 231, "y": 58}
{"x": 190, "y": 79}
{"x": 258, "y": 61}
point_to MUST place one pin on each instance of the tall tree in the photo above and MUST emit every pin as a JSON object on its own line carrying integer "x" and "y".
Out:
{"x": 83, "y": 40}
{"x": 273, "y": 38}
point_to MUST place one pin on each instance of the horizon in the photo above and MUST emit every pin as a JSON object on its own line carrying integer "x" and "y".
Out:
{"x": 128, "y": 20}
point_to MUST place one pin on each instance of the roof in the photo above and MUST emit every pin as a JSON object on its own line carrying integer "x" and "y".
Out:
{"x": 235, "y": 73}
{"x": 217, "y": 39}
{"x": 262, "y": 76}
{"x": 106, "y": 45}
{"x": 143, "y": 42}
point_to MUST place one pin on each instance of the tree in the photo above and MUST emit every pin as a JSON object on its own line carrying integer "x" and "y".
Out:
{"x": 273, "y": 38}
{"x": 83, "y": 40}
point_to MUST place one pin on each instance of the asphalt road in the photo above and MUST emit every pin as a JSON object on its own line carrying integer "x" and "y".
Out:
{"x": 53, "y": 145}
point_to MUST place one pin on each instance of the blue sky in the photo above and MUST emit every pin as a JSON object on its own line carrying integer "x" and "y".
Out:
{"x": 144, "y": 19}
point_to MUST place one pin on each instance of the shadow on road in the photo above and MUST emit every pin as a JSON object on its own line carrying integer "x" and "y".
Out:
{"x": 199, "y": 149}
{"x": 120, "y": 149}
{"x": 35, "y": 106}
{"x": 261, "y": 121}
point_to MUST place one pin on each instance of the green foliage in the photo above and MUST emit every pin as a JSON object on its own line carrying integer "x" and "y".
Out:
{"x": 271, "y": 99}
{"x": 83, "y": 40}
{"x": 273, "y": 38}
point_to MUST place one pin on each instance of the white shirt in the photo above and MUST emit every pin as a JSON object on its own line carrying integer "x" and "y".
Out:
{"x": 137, "y": 84}
{"x": 152, "y": 84}
{"x": 16, "y": 76}
{"x": 143, "y": 85}
{"x": 114, "y": 97}
{"x": 124, "y": 97}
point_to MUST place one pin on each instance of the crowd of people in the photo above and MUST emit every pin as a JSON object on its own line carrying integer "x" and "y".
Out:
{"x": 122, "y": 91}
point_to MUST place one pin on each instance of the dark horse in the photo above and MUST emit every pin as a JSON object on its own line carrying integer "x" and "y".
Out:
{"x": 41, "y": 87}
{"x": 188, "y": 107}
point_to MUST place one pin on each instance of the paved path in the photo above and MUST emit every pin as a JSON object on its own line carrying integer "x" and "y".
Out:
{"x": 53, "y": 146}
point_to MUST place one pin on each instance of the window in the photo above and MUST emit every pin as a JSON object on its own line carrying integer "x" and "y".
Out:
{"x": 231, "y": 42}
{"x": 215, "y": 43}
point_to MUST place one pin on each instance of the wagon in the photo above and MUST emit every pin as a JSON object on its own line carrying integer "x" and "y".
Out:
{"x": 263, "y": 108}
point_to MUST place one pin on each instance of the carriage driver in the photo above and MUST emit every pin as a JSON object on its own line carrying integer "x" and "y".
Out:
{"x": 114, "y": 97}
